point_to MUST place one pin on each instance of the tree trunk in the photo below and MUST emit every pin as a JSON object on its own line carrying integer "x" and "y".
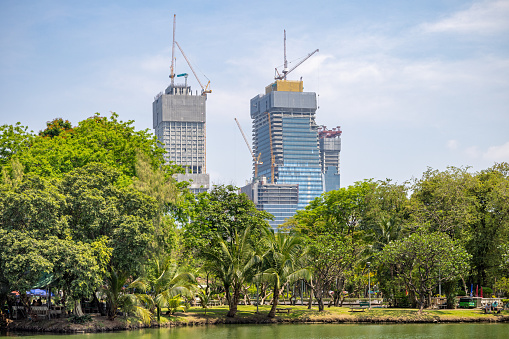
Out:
{"x": 232, "y": 304}
{"x": 275, "y": 299}
{"x": 310, "y": 303}
{"x": 77, "y": 308}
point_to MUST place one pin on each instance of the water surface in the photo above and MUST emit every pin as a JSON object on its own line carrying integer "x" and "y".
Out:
{"x": 312, "y": 331}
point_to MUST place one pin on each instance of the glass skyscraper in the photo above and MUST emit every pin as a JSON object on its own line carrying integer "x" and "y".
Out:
{"x": 286, "y": 135}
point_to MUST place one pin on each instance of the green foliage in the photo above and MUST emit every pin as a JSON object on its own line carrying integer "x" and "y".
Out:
{"x": 222, "y": 213}
{"x": 234, "y": 263}
{"x": 282, "y": 263}
{"x": 176, "y": 304}
{"x": 487, "y": 292}
{"x": 78, "y": 202}
{"x": 97, "y": 139}
{"x": 83, "y": 319}
{"x": 441, "y": 202}
{"x": 56, "y": 127}
{"x": 423, "y": 260}
{"x": 490, "y": 229}
{"x": 165, "y": 280}
{"x": 204, "y": 297}
{"x": 339, "y": 212}
{"x": 13, "y": 140}
{"x": 502, "y": 285}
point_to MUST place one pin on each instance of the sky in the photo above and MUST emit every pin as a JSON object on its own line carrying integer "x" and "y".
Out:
{"x": 413, "y": 84}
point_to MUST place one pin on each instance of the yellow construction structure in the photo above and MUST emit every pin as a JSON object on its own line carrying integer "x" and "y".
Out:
{"x": 285, "y": 86}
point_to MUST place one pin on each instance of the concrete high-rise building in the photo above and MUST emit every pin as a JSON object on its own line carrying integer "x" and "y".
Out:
{"x": 286, "y": 135}
{"x": 179, "y": 121}
{"x": 330, "y": 147}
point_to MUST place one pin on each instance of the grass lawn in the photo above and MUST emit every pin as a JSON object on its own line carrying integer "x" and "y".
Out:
{"x": 196, "y": 315}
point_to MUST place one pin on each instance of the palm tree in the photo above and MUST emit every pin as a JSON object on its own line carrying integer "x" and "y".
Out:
{"x": 175, "y": 304}
{"x": 166, "y": 281}
{"x": 118, "y": 296}
{"x": 281, "y": 262}
{"x": 234, "y": 263}
{"x": 204, "y": 297}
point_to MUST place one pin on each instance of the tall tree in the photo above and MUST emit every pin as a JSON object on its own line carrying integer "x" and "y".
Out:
{"x": 423, "y": 260}
{"x": 490, "y": 228}
{"x": 283, "y": 264}
{"x": 331, "y": 257}
{"x": 165, "y": 280}
{"x": 234, "y": 263}
{"x": 441, "y": 202}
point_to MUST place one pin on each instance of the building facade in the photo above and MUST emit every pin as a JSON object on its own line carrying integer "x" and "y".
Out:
{"x": 280, "y": 200}
{"x": 179, "y": 121}
{"x": 330, "y": 148}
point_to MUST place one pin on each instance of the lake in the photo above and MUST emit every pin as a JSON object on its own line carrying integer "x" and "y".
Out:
{"x": 313, "y": 331}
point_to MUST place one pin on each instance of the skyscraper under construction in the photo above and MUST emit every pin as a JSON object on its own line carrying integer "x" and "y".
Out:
{"x": 286, "y": 135}
{"x": 294, "y": 159}
{"x": 179, "y": 121}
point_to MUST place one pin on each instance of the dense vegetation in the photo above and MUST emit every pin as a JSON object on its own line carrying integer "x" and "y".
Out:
{"x": 93, "y": 212}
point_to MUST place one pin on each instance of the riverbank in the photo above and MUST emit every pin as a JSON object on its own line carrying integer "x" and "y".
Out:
{"x": 247, "y": 315}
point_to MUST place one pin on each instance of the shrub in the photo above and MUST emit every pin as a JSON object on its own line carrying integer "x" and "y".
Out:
{"x": 487, "y": 292}
{"x": 76, "y": 319}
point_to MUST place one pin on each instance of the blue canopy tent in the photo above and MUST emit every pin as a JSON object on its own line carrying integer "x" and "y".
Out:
{"x": 38, "y": 292}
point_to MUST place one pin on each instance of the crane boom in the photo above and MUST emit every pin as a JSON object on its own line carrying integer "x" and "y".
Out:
{"x": 204, "y": 89}
{"x": 255, "y": 159}
{"x": 283, "y": 76}
{"x": 245, "y": 139}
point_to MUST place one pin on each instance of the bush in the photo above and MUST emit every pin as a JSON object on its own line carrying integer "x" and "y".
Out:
{"x": 401, "y": 300}
{"x": 76, "y": 319}
{"x": 506, "y": 303}
{"x": 487, "y": 292}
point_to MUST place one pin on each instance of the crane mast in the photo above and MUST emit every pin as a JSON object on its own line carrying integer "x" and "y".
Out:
{"x": 172, "y": 69}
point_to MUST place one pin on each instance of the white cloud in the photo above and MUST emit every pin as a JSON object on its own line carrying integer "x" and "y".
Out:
{"x": 498, "y": 153}
{"x": 453, "y": 144}
{"x": 473, "y": 152}
{"x": 483, "y": 17}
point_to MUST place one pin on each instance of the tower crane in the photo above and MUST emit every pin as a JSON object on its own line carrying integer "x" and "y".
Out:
{"x": 205, "y": 89}
{"x": 256, "y": 160}
{"x": 286, "y": 71}
{"x": 172, "y": 69}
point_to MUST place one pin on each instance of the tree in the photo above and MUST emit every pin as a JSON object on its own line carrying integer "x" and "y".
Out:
{"x": 282, "y": 264}
{"x": 386, "y": 214}
{"x": 13, "y": 140}
{"x": 441, "y": 202}
{"x": 87, "y": 194}
{"x": 339, "y": 211}
{"x": 56, "y": 127}
{"x": 166, "y": 282}
{"x": 331, "y": 256}
{"x": 118, "y": 296}
{"x": 223, "y": 212}
{"x": 335, "y": 231}
{"x": 423, "y": 260}
{"x": 234, "y": 263}
{"x": 95, "y": 140}
{"x": 490, "y": 227}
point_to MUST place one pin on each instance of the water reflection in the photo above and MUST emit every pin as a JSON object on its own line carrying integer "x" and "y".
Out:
{"x": 311, "y": 331}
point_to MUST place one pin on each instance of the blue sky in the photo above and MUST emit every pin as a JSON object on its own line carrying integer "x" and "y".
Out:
{"x": 411, "y": 83}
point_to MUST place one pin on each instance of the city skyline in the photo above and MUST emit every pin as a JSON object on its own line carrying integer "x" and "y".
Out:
{"x": 411, "y": 85}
